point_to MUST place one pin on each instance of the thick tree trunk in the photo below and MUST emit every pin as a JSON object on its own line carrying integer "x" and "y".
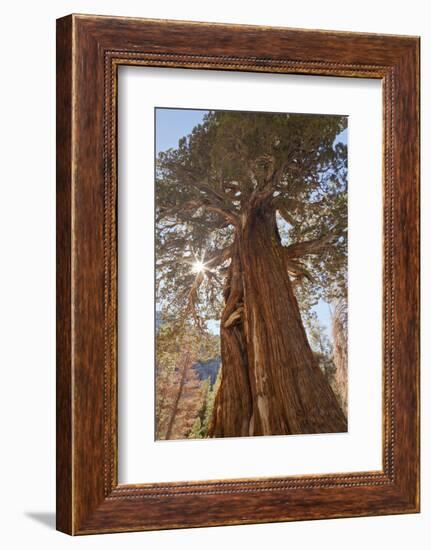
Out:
{"x": 271, "y": 383}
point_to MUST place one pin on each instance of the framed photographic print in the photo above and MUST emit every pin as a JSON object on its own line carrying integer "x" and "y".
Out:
{"x": 237, "y": 274}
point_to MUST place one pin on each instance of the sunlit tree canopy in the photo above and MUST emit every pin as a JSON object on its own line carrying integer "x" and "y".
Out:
{"x": 231, "y": 163}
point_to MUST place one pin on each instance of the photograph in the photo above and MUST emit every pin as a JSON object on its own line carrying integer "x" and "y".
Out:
{"x": 251, "y": 273}
{"x": 211, "y": 272}
{"x": 212, "y": 317}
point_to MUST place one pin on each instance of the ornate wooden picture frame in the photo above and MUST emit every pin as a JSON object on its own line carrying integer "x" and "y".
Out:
{"x": 89, "y": 51}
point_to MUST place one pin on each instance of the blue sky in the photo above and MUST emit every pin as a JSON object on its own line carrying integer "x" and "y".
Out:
{"x": 171, "y": 126}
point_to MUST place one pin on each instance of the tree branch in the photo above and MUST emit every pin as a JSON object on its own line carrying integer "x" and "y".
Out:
{"x": 204, "y": 187}
{"x": 298, "y": 270}
{"x": 297, "y": 250}
{"x": 220, "y": 256}
{"x": 192, "y": 298}
{"x": 180, "y": 209}
{"x": 270, "y": 182}
{"x": 233, "y": 218}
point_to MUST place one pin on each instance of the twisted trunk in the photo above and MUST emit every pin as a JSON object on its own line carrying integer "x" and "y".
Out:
{"x": 271, "y": 383}
{"x": 233, "y": 404}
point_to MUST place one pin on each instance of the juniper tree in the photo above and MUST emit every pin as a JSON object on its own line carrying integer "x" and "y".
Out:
{"x": 251, "y": 217}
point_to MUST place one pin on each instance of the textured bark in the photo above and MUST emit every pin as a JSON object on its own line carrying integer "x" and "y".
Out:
{"x": 271, "y": 383}
{"x": 233, "y": 402}
{"x": 339, "y": 333}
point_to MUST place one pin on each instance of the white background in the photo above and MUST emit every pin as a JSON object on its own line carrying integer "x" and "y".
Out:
{"x": 141, "y": 458}
{"x": 27, "y": 119}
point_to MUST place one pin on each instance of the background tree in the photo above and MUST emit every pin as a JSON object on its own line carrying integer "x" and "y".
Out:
{"x": 251, "y": 212}
{"x": 339, "y": 334}
{"x": 180, "y": 394}
{"x": 201, "y": 426}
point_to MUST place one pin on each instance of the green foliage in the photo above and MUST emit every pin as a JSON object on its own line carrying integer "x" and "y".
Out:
{"x": 201, "y": 424}
{"x": 196, "y": 431}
